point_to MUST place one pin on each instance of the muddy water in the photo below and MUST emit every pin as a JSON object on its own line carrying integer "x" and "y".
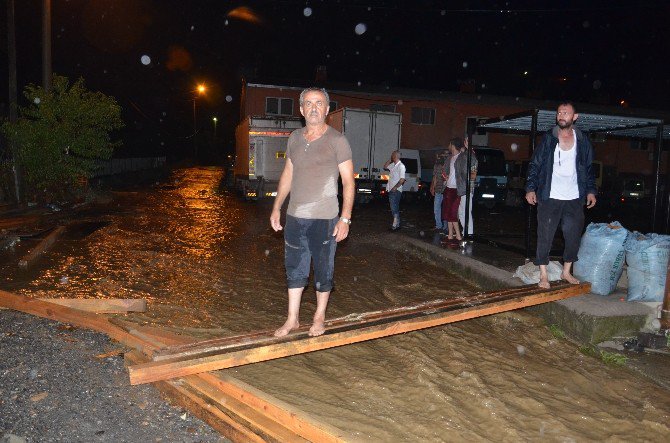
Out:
{"x": 209, "y": 263}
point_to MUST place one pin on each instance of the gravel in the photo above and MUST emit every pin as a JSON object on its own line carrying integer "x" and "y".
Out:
{"x": 54, "y": 388}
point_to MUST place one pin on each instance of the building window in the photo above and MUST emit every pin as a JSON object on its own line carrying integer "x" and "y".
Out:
{"x": 423, "y": 116}
{"x": 639, "y": 145}
{"x": 278, "y": 106}
{"x": 333, "y": 106}
{"x": 382, "y": 107}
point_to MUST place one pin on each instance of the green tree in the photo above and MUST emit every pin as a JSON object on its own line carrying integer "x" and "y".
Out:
{"x": 63, "y": 135}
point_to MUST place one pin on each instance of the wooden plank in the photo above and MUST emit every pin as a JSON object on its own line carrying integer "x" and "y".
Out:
{"x": 267, "y": 336}
{"x": 346, "y": 334}
{"x": 101, "y": 306}
{"x": 41, "y": 247}
{"x": 208, "y": 411}
{"x": 292, "y": 418}
{"x": 74, "y": 317}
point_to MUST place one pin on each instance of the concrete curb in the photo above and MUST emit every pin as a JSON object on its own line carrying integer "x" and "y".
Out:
{"x": 588, "y": 318}
{"x": 485, "y": 274}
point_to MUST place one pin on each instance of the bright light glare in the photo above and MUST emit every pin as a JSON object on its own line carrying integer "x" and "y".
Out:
{"x": 201, "y": 89}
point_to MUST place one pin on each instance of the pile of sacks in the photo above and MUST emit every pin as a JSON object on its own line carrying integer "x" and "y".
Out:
{"x": 606, "y": 247}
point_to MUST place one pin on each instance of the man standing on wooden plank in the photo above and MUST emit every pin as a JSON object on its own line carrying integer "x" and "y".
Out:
{"x": 560, "y": 176}
{"x": 315, "y": 156}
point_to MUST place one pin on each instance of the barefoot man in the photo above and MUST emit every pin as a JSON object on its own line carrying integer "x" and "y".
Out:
{"x": 560, "y": 177}
{"x": 315, "y": 156}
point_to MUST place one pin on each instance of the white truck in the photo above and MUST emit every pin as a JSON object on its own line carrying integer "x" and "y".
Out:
{"x": 260, "y": 147}
{"x": 373, "y": 135}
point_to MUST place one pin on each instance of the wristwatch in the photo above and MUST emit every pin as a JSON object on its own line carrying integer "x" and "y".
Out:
{"x": 346, "y": 220}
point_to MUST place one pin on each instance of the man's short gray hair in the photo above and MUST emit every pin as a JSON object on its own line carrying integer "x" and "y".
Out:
{"x": 321, "y": 90}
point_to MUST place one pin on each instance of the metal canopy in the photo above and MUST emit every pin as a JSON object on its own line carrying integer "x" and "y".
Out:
{"x": 616, "y": 125}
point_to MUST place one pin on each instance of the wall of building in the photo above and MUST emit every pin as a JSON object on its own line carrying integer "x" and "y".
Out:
{"x": 450, "y": 121}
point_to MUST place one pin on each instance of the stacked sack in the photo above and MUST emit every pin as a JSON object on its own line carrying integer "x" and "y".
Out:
{"x": 601, "y": 256}
{"x": 647, "y": 258}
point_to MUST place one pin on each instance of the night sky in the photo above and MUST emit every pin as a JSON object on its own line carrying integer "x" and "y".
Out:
{"x": 150, "y": 54}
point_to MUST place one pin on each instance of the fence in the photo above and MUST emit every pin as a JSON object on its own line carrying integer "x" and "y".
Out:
{"x": 121, "y": 165}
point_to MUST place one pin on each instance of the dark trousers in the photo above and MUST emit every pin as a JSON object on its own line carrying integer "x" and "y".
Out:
{"x": 570, "y": 215}
{"x": 307, "y": 241}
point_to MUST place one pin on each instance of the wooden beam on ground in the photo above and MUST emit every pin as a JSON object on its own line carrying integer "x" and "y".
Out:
{"x": 74, "y": 317}
{"x": 41, "y": 247}
{"x": 199, "y": 405}
{"x": 101, "y": 306}
{"x": 251, "y": 408}
{"x": 365, "y": 327}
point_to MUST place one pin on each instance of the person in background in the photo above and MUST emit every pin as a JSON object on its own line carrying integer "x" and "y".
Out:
{"x": 462, "y": 166}
{"x": 396, "y": 179}
{"x": 560, "y": 178}
{"x": 451, "y": 199}
{"x": 437, "y": 187}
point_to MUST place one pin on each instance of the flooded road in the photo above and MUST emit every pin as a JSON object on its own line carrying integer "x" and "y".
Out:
{"x": 210, "y": 264}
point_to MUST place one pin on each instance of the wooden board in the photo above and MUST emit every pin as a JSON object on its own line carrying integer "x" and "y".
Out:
{"x": 101, "y": 306}
{"x": 290, "y": 417}
{"x": 74, "y": 317}
{"x": 41, "y": 247}
{"x": 370, "y": 326}
{"x": 208, "y": 411}
{"x": 266, "y": 337}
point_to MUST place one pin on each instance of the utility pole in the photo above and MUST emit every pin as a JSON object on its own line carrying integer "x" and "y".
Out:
{"x": 13, "y": 91}
{"x": 46, "y": 45}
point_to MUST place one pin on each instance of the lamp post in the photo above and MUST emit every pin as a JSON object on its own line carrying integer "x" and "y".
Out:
{"x": 200, "y": 90}
{"x": 215, "y": 120}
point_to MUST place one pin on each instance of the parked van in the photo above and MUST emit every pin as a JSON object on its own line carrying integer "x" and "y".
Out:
{"x": 410, "y": 158}
{"x": 491, "y": 182}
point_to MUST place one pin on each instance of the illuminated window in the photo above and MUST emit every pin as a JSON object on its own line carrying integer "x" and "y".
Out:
{"x": 278, "y": 106}
{"x": 423, "y": 116}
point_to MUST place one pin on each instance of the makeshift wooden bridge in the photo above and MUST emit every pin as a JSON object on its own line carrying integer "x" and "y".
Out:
{"x": 209, "y": 355}
{"x": 180, "y": 367}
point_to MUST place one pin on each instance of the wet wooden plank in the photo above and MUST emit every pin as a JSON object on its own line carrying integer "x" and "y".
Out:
{"x": 266, "y": 336}
{"x": 41, "y": 247}
{"x": 207, "y": 410}
{"x": 352, "y": 332}
{"x": 292, "y": 418}
{"x": 101, "y": 306}
{"x": 74, "y": 317}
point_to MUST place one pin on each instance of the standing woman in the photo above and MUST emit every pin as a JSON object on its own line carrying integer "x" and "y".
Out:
{"x": 451, "y": 199}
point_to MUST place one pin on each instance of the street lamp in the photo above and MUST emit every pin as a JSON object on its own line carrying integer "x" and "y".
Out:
{"x": 200, "y": 90}
{"x": 215, "y": 120}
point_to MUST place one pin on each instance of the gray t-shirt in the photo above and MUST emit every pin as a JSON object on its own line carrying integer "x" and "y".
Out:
{"x": 315, "y": 173}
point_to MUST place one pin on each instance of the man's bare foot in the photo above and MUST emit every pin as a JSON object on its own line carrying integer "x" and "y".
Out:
{"x": 544, "y": 283}
{"x": 286, "y": 328}
{"x": 318, "y": 327}
{"x": 569, "y": 278}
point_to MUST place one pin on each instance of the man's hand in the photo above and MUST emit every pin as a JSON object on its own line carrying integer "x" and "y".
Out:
{"x": 531, "y": 198}
{"x": 274, "y": 220}
{"x": 341, "y": 231}
{"x": 590, "y": 201}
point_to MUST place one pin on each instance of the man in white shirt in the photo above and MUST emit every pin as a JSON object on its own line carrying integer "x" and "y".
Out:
{"x": 394, "y": 186}
{"x": 560, "y": 179}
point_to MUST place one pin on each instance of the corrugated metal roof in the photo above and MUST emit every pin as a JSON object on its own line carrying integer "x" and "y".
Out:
{"x": 623, "y": 126}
